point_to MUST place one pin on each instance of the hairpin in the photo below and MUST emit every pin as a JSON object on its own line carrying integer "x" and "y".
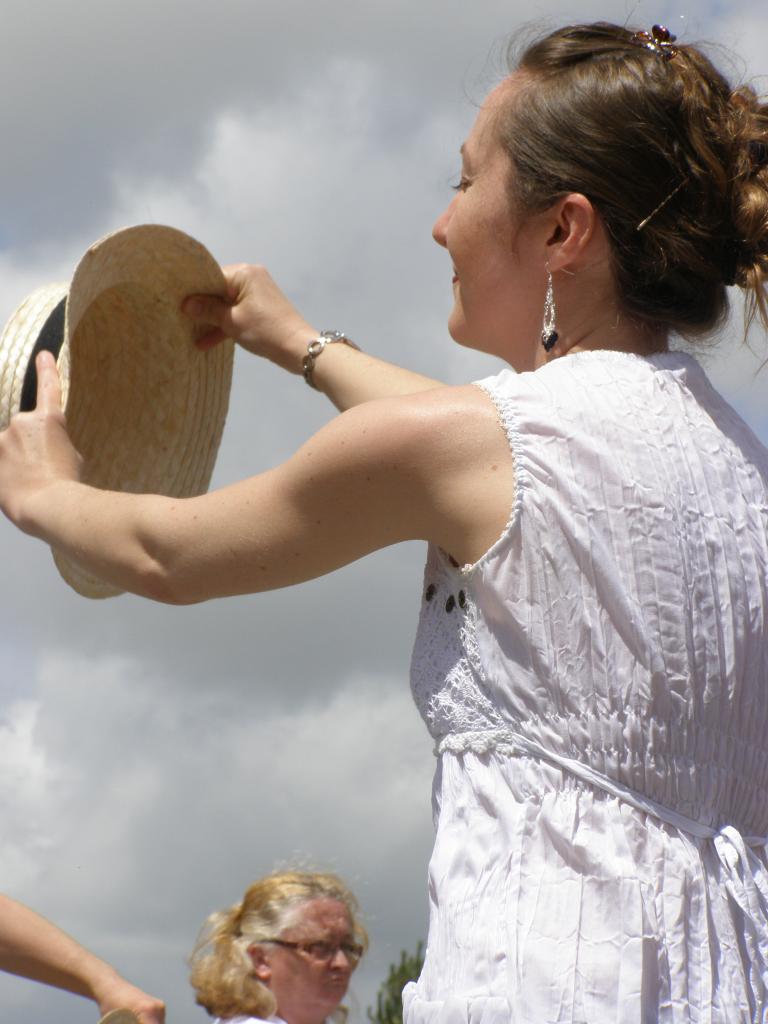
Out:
{"x": 662, "y": 204}
{"x": 659, "y": 40}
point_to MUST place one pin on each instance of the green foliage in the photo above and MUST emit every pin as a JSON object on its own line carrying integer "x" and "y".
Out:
{"x": 389, "y": 1005}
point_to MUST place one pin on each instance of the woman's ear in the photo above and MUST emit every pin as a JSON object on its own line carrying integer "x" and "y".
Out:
{"x": 260, "y": 962}
{"x": 572, "y": 232}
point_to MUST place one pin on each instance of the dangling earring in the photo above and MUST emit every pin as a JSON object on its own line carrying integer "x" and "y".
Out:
{"x": 548, "y": 333}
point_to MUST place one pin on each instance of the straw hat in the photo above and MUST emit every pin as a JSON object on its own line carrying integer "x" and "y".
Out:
{"x": 145, "y": 408}
{"x": 119, "y": 1017}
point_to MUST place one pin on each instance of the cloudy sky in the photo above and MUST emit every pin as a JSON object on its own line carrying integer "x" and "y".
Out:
{"x": 154, "y": 760}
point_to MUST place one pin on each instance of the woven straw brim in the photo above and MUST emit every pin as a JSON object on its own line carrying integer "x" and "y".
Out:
{"x": 145, "y": 408}
{"x": 119, "y": 1017}
{"x": 16, "y": 344}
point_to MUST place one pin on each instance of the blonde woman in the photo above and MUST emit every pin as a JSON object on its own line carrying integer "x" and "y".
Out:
{"x": 285, "y": 953}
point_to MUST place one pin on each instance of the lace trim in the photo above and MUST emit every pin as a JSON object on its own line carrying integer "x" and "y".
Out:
{"x": 446, "y": 674}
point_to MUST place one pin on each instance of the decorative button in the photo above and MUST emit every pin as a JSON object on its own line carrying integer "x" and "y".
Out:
{"x": 430, "y": 592}
{"x": 450, "y": 604}
{"x": 462, "y": 599}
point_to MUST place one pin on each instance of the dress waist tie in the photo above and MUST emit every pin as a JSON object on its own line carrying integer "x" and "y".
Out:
{"x": 745, "y": 875}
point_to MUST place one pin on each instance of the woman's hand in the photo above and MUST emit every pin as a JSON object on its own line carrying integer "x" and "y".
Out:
{"x": 256, "y": 314}
{"x": 35, "y": 450}
{"x": 118, "y": 994}
{"x": 262, "y": 320}
{"x": 32, "y": 947}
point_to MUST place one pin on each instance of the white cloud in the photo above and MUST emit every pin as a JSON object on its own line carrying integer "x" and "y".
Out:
{"x": 156, "y": 810}
{"x": 26, "y": 776}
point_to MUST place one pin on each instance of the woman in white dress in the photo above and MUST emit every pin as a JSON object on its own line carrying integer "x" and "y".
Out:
{"x": 284, "y": 954}
{"x": 592, "y": 655}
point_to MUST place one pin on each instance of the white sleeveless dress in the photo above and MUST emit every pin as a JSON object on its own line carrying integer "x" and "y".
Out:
{"x": 597, "y": 687}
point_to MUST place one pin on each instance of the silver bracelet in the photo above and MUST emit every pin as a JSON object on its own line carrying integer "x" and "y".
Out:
{"x": 316, "y": 346}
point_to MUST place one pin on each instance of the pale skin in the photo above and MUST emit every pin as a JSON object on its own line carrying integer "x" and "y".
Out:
{"x": 307, "y": 990}
{"x": 407, "y": 458}
{"x": 32, "y": 947}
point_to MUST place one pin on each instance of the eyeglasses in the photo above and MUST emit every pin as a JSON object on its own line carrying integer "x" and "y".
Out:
{"x": 321, "y": 951}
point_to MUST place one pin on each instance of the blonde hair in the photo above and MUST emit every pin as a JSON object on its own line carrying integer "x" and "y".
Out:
{"x": 221, "y": 968}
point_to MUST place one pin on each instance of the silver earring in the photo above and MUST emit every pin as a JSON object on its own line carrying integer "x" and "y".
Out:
{"x": 548, "y": 333}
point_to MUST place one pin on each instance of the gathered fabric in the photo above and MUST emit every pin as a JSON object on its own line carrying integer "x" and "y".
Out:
{"x": 597, "y": 688}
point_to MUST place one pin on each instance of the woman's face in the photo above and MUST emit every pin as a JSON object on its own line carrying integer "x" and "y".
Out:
{"x": 307, "y": 987}
{"x": 498, "y": 288}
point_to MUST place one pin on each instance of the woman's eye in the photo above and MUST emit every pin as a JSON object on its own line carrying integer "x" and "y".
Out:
{"x": 462, "y": 185}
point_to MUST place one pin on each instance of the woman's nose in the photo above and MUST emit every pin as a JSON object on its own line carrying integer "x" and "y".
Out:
{"x": 340, "y": 959}
{"x": 441, "y": 226}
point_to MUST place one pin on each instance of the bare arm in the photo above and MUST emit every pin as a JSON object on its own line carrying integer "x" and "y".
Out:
{"x": 398, "y": 469}
{"x": 264, "y": 322}
{"x": 349, "y": 377}
{"x": 34, "y": 948}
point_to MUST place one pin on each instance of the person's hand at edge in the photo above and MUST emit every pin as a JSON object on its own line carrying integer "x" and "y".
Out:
{"x": 112, "y": 992}
{"x": 35, "y": 948}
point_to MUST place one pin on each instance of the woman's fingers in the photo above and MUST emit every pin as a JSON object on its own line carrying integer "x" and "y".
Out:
{"x": 210, "y": 339}
{"x": 48, "y": 384}
{"x": 208, "y": 309}
{"x": 35, "y": 450}
{"x": 255, "y": 314}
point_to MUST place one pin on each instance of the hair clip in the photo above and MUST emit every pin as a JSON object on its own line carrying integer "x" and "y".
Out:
{"x": 659, "y": 40}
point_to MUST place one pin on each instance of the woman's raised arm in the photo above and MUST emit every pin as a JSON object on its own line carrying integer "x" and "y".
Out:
{"x": 402, "y": 468}
{"x": 264, "y": 322}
